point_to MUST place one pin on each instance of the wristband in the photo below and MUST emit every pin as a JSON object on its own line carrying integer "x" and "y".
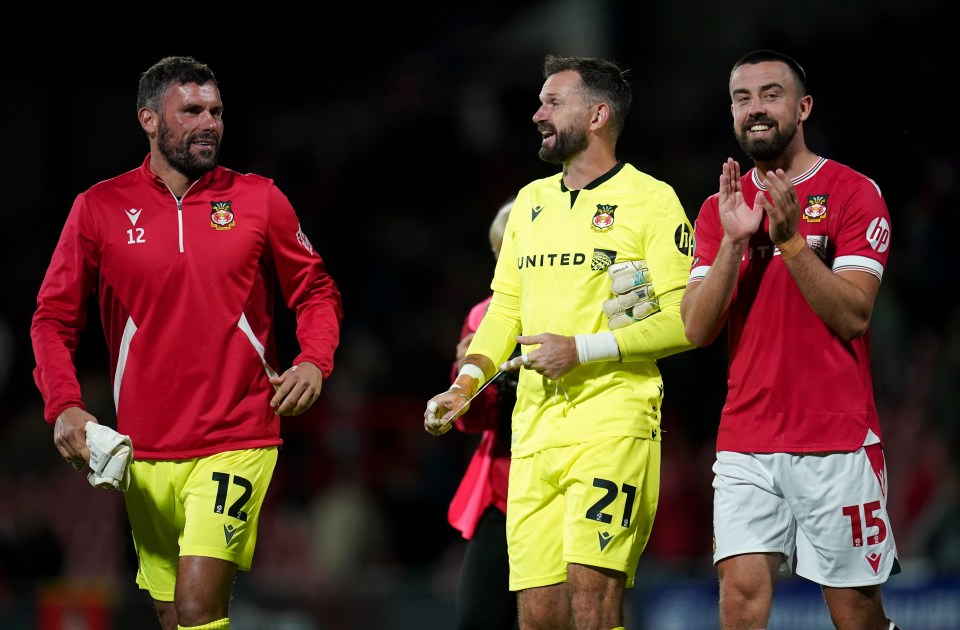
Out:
{"x": 597, "y": 347}
{"x": 792, "y": 246}
{"x": 471, "y": 370}
{"x": 469, "y": 378}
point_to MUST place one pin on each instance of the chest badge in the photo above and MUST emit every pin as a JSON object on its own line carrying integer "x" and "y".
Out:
{"x": 816, "y": 210}
{"x": 603, "y": 219}
{"x": 221, "y": 216}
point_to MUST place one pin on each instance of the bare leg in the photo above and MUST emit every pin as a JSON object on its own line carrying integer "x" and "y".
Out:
{"x": 597, "y": 597}
{"x": 203, "y": 590}
{"x": 859, "y": 608}
{"x": 545, "y": 608}
{"x": 591, "y": 599}
{"x": 167, "y": 612}
{"x": 746, "y": 590}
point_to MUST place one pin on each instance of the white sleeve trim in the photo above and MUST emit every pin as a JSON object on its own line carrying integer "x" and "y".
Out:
{"x": 698, "y": 273}
{"x": 858, "y": 263}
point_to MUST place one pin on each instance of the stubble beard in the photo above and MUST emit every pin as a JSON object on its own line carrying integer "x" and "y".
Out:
{"x": 179, "y": 155}
{"x": 565, "y": 146}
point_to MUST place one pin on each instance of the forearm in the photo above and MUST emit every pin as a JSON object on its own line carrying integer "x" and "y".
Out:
{"x": 705, "y": 303}
{"x": 657, "y": 336}
{"x": 494, "y": 342}
{"x": 844, "y": 301}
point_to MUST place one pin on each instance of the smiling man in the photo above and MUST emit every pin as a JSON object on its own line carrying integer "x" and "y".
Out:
{"x": 184, "y": 257}
{"x": 799, "y": 479}
{"x": 593, "y": 265}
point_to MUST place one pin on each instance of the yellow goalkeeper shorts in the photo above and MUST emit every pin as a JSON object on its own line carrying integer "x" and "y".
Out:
{"x": 591, "y": 504}
{"x": 206, "y": 506}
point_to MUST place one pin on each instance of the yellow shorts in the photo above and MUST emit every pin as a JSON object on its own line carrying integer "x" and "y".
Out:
{"x": 206, "y": 506}
{"x": 591, "y": 503}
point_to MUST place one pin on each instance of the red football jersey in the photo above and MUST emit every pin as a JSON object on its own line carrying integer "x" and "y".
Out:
{"x": 794, "y": 385}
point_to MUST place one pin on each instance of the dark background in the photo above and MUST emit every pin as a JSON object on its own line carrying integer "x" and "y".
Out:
{"x": 397, "y": 133}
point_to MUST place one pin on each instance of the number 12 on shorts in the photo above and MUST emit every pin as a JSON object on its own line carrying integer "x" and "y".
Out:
{"x": 223, "y": 484}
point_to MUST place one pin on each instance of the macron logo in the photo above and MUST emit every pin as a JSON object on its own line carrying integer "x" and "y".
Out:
{"x": 228, "y": 532}
{"x": 874, "y": 560}
{"x": 134, "y": 214}
{"x": 605, "y": 539}
{"x": 535, "y": 212}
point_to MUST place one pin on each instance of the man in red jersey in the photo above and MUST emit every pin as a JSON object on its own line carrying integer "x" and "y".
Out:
{"x": 800, "y": 482}
{"x": 184, "y": 257}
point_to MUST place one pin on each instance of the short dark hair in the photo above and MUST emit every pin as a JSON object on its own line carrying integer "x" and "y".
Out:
{"x": 166, "y": 72}
{"x": 601, "y": 80}
{"x": 762, "y": 55}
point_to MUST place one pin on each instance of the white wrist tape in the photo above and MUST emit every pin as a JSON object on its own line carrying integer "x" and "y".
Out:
{"x": 597, "y": 347}
{"x": 471, "y": 370}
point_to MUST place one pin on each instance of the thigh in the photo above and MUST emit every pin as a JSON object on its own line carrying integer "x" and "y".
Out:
{"x": 156, "y": 522}
{"x": 534, "y": 525}
{"x": 840, "y": 502}
{"x": 611, "y": 489}
{"x": 750, "y": 514}
{"x": 222, "y": 498}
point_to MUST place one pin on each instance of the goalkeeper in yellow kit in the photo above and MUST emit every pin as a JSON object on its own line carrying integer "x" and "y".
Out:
{"x": 593, "y": 266}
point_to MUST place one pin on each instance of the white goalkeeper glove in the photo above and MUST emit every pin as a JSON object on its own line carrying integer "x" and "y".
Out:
{"x": 633, "y": 294}
{"x": 110, "y": 457}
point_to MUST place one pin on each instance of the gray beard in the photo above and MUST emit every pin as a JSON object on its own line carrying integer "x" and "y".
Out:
{"x": 180, "y": 158}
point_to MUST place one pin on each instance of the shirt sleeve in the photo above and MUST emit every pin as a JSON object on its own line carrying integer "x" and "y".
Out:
{"x": 667, "y": 245}
{"x": 308, "y": 290}
{"x": 496, "y": 337}
{"x": 707, "y": 234}
{"x": 864, "y": 240}
{"x": 61, "y": 313}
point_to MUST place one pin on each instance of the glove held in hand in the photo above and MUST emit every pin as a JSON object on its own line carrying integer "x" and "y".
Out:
{"x": 110, "y": 457}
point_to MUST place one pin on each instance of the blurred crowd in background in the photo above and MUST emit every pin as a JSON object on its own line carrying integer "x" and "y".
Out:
{"x": 396, "y": 145}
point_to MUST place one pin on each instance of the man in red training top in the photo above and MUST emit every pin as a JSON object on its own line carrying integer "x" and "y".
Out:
{"x": 183, "y": 256}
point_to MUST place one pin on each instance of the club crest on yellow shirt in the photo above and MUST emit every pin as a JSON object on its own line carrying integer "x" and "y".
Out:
{"x": 603, "y": 219}
{"x": 221, "y": 216}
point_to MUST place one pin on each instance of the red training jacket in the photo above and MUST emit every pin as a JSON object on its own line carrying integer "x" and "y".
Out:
{"x": 186, "y": 295}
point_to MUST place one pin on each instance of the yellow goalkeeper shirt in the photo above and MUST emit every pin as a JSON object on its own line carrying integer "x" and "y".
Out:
{"x": 551, "y": 276}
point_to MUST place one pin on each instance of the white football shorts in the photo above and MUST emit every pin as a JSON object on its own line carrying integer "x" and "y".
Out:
{"x": 825, "y": 512}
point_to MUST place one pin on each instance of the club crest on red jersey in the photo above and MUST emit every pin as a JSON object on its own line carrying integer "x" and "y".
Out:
{"x": 221, "y": 216}
{"x": 816, "y": 209}
{"x": 603, "y": 219}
